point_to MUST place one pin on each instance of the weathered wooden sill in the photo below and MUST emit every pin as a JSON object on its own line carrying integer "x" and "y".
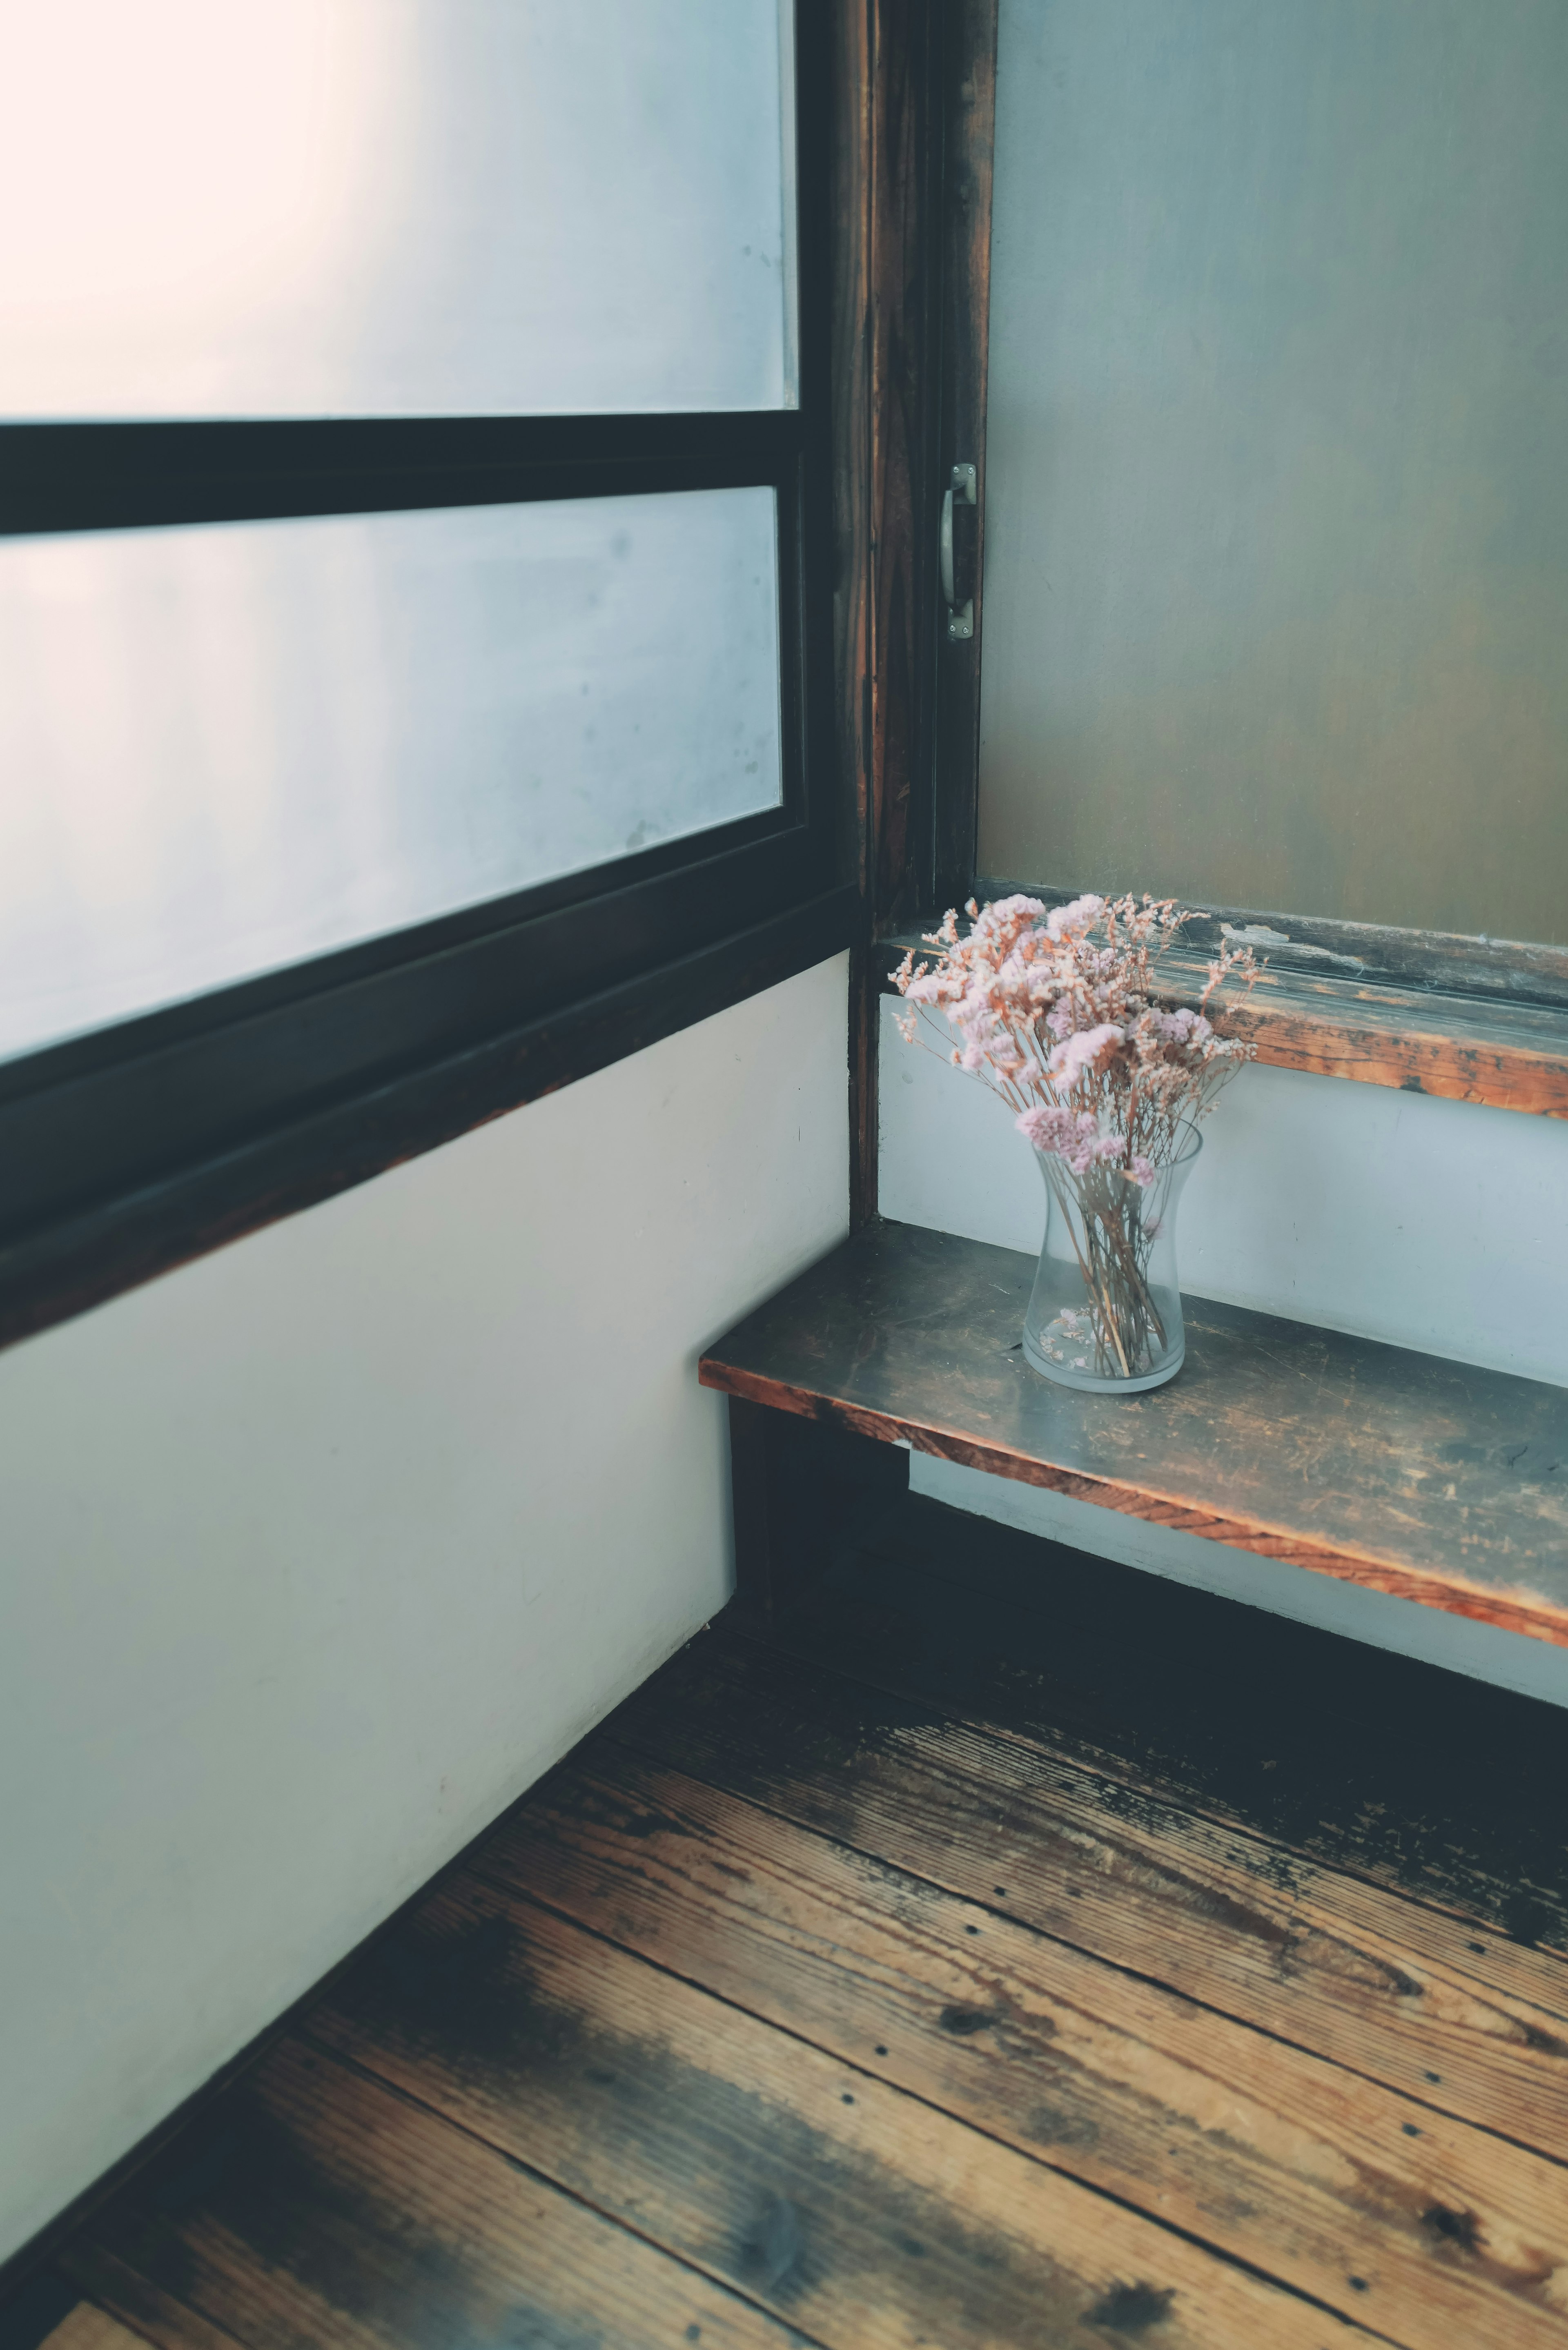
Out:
{"x": 1429, "y": 1480}
{"x": 1461, "y": 1048}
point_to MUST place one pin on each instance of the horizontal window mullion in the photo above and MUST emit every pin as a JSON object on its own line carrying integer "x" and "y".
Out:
{"x": 82, "y": 1258}
{"x": 60, "y": 477}
{"x": 94, "y": 1136}
{"x": 141, "y": 1036}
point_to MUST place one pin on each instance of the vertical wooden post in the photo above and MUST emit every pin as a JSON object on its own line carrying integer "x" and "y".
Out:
{"x": 885, "y": 164}
{"x": 865, "y": 965}
{"x": 756, "y": 1549}
{"x": 969, "y": 100}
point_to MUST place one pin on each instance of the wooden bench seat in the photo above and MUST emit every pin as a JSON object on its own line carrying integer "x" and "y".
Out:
{"x": 1427, "y": 1478}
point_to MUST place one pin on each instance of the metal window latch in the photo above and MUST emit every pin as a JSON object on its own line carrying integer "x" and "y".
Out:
{"x": 958, "y": 544}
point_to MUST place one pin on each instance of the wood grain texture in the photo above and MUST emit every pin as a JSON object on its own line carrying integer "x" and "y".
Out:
{"x": 1510, "y": 1055}
{"x": 796, "y": 2009}
{"x": 1429, "y": 1480}
{"x": 859, "y": 2214}
{"x": 1329, "y": 1751}
{"x": 1446, "y": 963}
{"x": 1240, "y": 2141}
{"x": 902, "y": 482}
{"x": 318, "y": 2211}
{"x": 883, "y": 408}
{"x": 968, "y": 108}
{"x": 156, "y": 2315}
{"x": 884, "y": 404}
{"x": 854, "y": 628}
{"x": 89, "y": 2328}
{"x": 1389, "y": 1990}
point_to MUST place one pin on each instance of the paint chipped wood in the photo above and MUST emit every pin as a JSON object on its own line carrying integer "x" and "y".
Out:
{"x": 1507, "y": 1054}
{"x": 1431, "y": 1481}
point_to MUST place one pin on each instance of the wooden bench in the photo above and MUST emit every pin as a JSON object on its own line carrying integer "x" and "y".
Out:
{"x": 1427, "y": 1479}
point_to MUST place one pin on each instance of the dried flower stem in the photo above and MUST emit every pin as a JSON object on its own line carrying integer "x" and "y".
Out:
{"x": 1058, "y": 1012}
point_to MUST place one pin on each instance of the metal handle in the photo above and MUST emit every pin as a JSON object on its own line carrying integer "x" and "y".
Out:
{"x": 961, "y": 619}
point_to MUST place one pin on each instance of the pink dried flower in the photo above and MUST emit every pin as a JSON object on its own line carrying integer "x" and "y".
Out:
{"x": 1069, "y": 922}
{"x": 1085, "y": 1050}
{"x": 1047, "y": 1127}
{"x": 1061, "y": 1012}
{"x": 1072, "y": 1135}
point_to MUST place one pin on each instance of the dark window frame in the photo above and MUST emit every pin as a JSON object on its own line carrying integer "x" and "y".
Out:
{"x": 1464, "y": 1018}
{"x": 131, "y": 1149}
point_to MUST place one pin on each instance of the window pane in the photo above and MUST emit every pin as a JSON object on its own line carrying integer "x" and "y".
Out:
{"x": 225, "y": 749}
{"x": 225, "y": 208}
{"x": 1276, "y": 605}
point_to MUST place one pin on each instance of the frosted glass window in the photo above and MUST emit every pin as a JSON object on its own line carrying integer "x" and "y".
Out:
{"x": 227, "y": 748}
{"x": 241, "y": 208}
{"x": 1276, "y": 593}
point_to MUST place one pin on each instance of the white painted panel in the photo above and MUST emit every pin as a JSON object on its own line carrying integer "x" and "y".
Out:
{"x": 318, "y": 1552}
{"x": 395, "y": 207}
{"x": 1435, "y": 1224}
{"x": 228, "y": 748}
{"x": 1532, "y": 1668}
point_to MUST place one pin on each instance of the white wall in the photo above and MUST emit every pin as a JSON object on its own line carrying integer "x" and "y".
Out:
{"x": 1434, "y": 1224}
{"x": 318, "y": 1552}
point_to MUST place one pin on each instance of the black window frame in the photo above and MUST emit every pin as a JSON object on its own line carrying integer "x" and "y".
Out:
{"x": 130, "y": 1149}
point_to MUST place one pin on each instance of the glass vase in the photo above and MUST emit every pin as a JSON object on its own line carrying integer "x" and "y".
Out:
{"x": 1106, "y": 1311}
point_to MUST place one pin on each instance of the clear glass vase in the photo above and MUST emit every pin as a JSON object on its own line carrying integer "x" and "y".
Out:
{"x": 1106, "y": 1312}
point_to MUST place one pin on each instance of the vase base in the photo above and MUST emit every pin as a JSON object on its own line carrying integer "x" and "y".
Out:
{"x": 1091, "y": 1382}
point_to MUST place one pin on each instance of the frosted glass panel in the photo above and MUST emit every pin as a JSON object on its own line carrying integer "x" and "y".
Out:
{"x": 226, "y": 208}
{"x": 225, "y": 749}
{"x": 1276, "y": 594}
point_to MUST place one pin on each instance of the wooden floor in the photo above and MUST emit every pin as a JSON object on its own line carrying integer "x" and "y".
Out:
{"x": 908, "y": 2004}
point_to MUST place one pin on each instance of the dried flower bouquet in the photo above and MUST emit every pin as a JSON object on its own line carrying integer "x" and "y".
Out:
{"x": 1056, "y": 1011}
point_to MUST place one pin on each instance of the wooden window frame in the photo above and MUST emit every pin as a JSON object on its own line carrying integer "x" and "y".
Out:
{"x": 1464, "y": 1019}
{"x": 130, "y": 1149}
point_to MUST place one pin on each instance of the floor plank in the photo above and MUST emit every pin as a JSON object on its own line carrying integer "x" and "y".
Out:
{"x": 839, "y": 2204}
{"x": 87, "y": 2328}
{"x": 317, "y": 2211}
{"x": 155, "y": 2314}
{"x": 1313, "y": 2177}
{"x": 1326, "y": 1963}
{"x": 1426, "y": 1781}
{"x": 799, "y": 2009}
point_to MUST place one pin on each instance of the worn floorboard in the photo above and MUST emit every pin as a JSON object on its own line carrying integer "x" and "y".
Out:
{"x": 88, "y": 2327}
{"x": 1365, "y": 2199}
{"x": 1401, "y": 1993}
{"x": 801, "y": 2007}
{"x": 1422, "y": 1780}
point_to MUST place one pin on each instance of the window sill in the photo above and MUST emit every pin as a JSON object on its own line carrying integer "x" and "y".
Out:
{"x": 1510, "y": 1055}
{"x": 1458, "y": 1048}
